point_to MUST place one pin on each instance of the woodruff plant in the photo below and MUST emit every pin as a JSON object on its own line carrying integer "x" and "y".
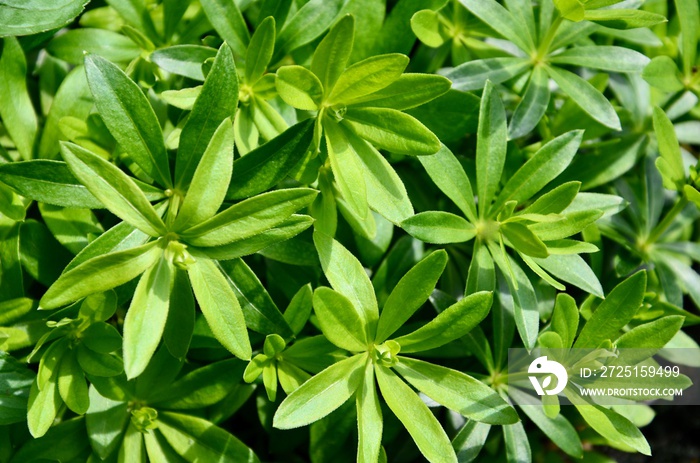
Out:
{"x": 311, "y": 230}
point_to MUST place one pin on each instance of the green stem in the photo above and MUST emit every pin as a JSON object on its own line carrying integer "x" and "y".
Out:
{"x": 667, "y": 220}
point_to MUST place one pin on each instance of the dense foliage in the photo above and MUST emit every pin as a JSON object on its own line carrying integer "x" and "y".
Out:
{"x": 310, "y": 230}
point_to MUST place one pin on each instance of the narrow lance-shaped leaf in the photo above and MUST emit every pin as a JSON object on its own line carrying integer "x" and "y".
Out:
{"x": 348, "y": 277}
{"x": 332, "y": 54}
{"x": 454, "y": 322}
{"x": 670, "y": 163}
{"x": 259, "y": 52}
{"x": 586, "y": 97}
{"x": 340, "y": 322}
{"x": 322, "y": 394}
{"x": 264, "y": 167}
{"x": 532, "y": 107}
{"x": 145, "y": 320}
{"x": 492, "y": 136}
{"x": 217, "y": 102}
{"x": 249, "y": 217}
{"x": 410, "y": 293}
{"x": 210, "y": 181}
{"x": 17, "y": 19}
{"x": 129, "y": 117}
{"x": 228, "y": 21}
{"x": 369, "y": 418}
{"x": 220, "y": 307}
{"x": 16, "y": 110}
{"x": 419, "y": 421}
{"x": 100, "y": 274}
{"x": 114, "y": 188}
{"x": 614, "y": 312}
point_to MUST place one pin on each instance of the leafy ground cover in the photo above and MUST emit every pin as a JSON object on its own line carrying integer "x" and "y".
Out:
{"x": 310, "y": 230}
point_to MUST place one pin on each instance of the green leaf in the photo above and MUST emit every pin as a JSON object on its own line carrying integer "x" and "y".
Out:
{"x": 181, "y": 316}
{"x": 96, "y": 364}
{"x": 72, "y": 45}
{"x": 260, "y": 312}
{"x": 126, "y": 112}
{"x": 571, "y": 224}
{"x": 614, "y": 427}
{"x": 100, "y": 274}
{"x": 102, "y": 337}
{"x": 606, "y": 58}
{"x": 71, "y": 384}
{"x": 502, "y": 21}
{"x": 670, "y": 163}
{"x": 410, "y": 293}
{"x": 259, "y": 53}
{"x": 249, "y": 217}
{"x": 558, "y": 428}
{"x": 651, "y": 336}
{"x": 688, "y": 12}
{"x": 533, "y": 105}
{"x": 428, "y": 28}
{"x": 201, "y": 440}
{"x": 201, "y": 387}
{"x": 524, "y": 240}
{"x": 309, "y": 22}
{"x": 262, "y": 242}
{"x": 470, "y": 440}
{"x": 543, "y": 167}
{"x": 555, "y": 200}
{"x": 392, "y": 130}
{"x": 113, "y": 188}
{"x": 623, "y": 19}
{"x": 347, "y": 169}
{"x": 42, "y": 408}
{"x": 339, "y": 320}
{"x": 220, "y": 307}
{"x": 406, "y": 92}
{"x": 73, "y": 228}
{"x": 586, "y": 96}
{"x": 473, "y": 75}
{"x": 16, "y": 110}
{"x": 216, "y": 103}
{"x": 366, "y": 77}
{"x": 183, "y": 60}
{"x": 662, "y": 73}
{"x": 447, "y": 173}
{"x": 299, "y": 87}
{"x": 132, "y": 447}
{"x": 145, "y": 320}
{"x": 522, "y": 300}
{"x": 105, "y": 421}
{"x": 573, "y": 269}
{"x": 492, "y": 136}
{"x": 228, "y": 22}
{"x": 614, "y": 312}
{"x": 565, "y": 319}
{"x": 439, "y": 227}
{"x": 418, "y": 420}
{"x": 118, "y": 238}
{"x": 517, "y": 443}
{"x": 452, "y": 323}
{"x": 386, "y": 192}
{"x": 321, "y": 394}
{"x": 347, "y": 276}
{"x": 73, "y": 98}
{"x": 266, "y": 166}
{"x": 17, "y": 17}
{"x": 210, "y": 181}
{"x": 369, "y": 418}
{"x": 299, "y": 309}
{"x": 457, "y": 391}
{"x": 332, "y": 54}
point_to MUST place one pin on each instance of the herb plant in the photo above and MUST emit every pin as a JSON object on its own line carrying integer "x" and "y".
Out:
{"x": 311, "y": 230}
